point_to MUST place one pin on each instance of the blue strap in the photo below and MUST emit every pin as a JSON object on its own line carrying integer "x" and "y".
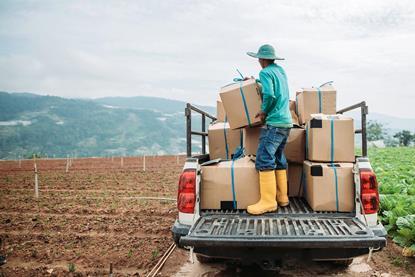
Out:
{"x": 245, "y": 105}
{"x": 337, "y": 186}
{"x": 226, "y": 139}
{"x": 336, "y": 181}
{"x": 233, "y": 184}
{"x": 319, "y": 99}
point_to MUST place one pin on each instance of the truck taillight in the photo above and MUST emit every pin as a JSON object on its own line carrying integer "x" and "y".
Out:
{"x": 369, "y": 191}
{"x": 186, "y": 196}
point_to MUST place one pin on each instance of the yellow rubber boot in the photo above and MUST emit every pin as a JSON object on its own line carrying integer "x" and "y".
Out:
{"x": 282, "y": 188}
{"x": 268, "y": 191}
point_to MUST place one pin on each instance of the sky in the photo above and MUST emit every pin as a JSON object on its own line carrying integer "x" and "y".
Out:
{"x": 187, "y": 50}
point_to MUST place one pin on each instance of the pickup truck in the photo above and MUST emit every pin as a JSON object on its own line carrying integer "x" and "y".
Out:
{"x": 295, "y": 231}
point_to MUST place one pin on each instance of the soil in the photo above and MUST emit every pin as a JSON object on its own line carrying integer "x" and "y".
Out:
{"x": 95, "y": 215}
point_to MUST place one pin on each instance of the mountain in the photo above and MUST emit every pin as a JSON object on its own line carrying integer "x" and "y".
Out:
{"x": 56, "y": 126}
{"x": 149, "y": 103}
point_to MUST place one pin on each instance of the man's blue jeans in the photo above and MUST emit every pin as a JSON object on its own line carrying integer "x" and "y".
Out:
{"x": 270, "y": 152}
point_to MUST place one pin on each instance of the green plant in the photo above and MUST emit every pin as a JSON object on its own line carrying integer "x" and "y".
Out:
{"x": 71, "y": 267}
{"x": 154, "y": 254}
{"x": 395, "y": 171}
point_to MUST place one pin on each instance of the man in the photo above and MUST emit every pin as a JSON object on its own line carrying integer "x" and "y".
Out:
{"x": 270, "y": 159}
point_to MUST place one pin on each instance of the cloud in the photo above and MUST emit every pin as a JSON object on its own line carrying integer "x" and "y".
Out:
{"x": 187, "y": 50}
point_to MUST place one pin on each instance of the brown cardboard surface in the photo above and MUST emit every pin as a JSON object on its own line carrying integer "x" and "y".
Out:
{"x": 295, "y": 180}
{"x": 217, "y": 143}
{"x": 234, "y": 107}
{"x": 308, "y": 102}
{"x": 320, "y": 186}
{"x": 216, "y": 186}
{"x": 251, "y": 139}
{"x": 319, "y": 138}
{"x": 220, "y": 111}
{"x": 294, "y": 115}
{"x": 295, "y": 148}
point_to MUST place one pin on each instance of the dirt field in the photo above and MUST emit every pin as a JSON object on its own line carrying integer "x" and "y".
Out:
{"x": 95, "y": 215}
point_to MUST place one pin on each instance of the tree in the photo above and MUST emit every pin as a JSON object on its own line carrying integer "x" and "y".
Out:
{"x": 405, "y": 137}
{"x": 375, "y": 131}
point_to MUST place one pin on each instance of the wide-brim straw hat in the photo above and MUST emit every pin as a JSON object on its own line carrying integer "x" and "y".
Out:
{"x": 266, "y": 52}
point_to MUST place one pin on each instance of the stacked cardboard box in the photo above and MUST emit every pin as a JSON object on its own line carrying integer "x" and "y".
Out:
{"x": 218, "y": 191}
{"x": 223, "y": 141}
{"x": 328, "y": 170}
{"x": 315, "y": 100}
{"x": 220, "y": 111}
{"x": 330, "y": 186}
{"x": 319, "y": 150}
{"x": 241, "y": 101}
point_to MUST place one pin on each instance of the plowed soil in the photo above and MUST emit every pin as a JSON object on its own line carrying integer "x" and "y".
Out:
{"x": 98, "y": 214}
{"x": 87, "y": 218}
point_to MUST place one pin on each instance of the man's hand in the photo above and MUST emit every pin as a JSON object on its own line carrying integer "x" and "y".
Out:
{"x": 261, "y": 115}
{"x": 247, "y": 78}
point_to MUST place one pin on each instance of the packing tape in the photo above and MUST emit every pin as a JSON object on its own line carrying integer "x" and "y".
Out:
{"x": 337, "y": 187}
{"x": 233, "y": 184}
{"x": 245, "y": 105}
{"x": 336, "y": 181}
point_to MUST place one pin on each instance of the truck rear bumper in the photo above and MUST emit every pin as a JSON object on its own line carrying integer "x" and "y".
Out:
{"x": 179, "y": 230}
{"x": 366, "y": 243}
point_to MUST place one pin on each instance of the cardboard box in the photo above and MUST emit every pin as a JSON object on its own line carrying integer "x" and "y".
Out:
{"x": 222, "y": 140}
{"x": 296, "y": 180}
{"x": 315, "y": 100}
{"x": 322, "y": 191}
{"x": 330, "y": 138}
{"x": 216, "y": 186}
{"x": 220, "y": 111}
{"x": 240, "y": 113}
{"x": 295, "y": 148}
{"x": 293, "y": 112}
{"x": 251, "y": 139}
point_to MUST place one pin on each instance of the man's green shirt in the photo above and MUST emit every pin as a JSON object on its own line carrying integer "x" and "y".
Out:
{"x": 275, "y": 96}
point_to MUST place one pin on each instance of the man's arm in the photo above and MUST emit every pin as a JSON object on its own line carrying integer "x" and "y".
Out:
{"x": 268, "y": 96}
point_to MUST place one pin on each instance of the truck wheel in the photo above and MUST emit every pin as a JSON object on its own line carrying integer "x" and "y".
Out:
{"x": 205, "y": 259}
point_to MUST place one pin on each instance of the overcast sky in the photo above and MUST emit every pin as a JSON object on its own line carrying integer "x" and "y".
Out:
{"x": 187, "y": 50}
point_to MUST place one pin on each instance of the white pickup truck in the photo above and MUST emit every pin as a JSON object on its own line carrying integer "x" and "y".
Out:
{"x": 295, "y": 231}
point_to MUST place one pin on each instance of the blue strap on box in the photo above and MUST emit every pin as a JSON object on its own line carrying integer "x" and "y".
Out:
{"x": 226, "y": 139}
{"x": 238, "y": 154}
{"x": 332, "y": 162}
{"x": 240, "y": 81}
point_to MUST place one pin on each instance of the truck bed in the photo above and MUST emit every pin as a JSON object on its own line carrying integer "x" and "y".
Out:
{"x": 298, "y": 207}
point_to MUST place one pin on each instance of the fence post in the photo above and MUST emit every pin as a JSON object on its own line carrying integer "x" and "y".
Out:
{"x": 36, "y": 178}
{"x": 122, "y": 161}
{"x": 144, "y": 163}
{"x": 67, "y": 164}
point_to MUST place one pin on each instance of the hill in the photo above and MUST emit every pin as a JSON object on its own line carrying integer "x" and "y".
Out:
{"x": 58, "y": 126}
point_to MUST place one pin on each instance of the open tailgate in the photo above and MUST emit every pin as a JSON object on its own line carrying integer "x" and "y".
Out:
{"x": 282, "y": 231}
